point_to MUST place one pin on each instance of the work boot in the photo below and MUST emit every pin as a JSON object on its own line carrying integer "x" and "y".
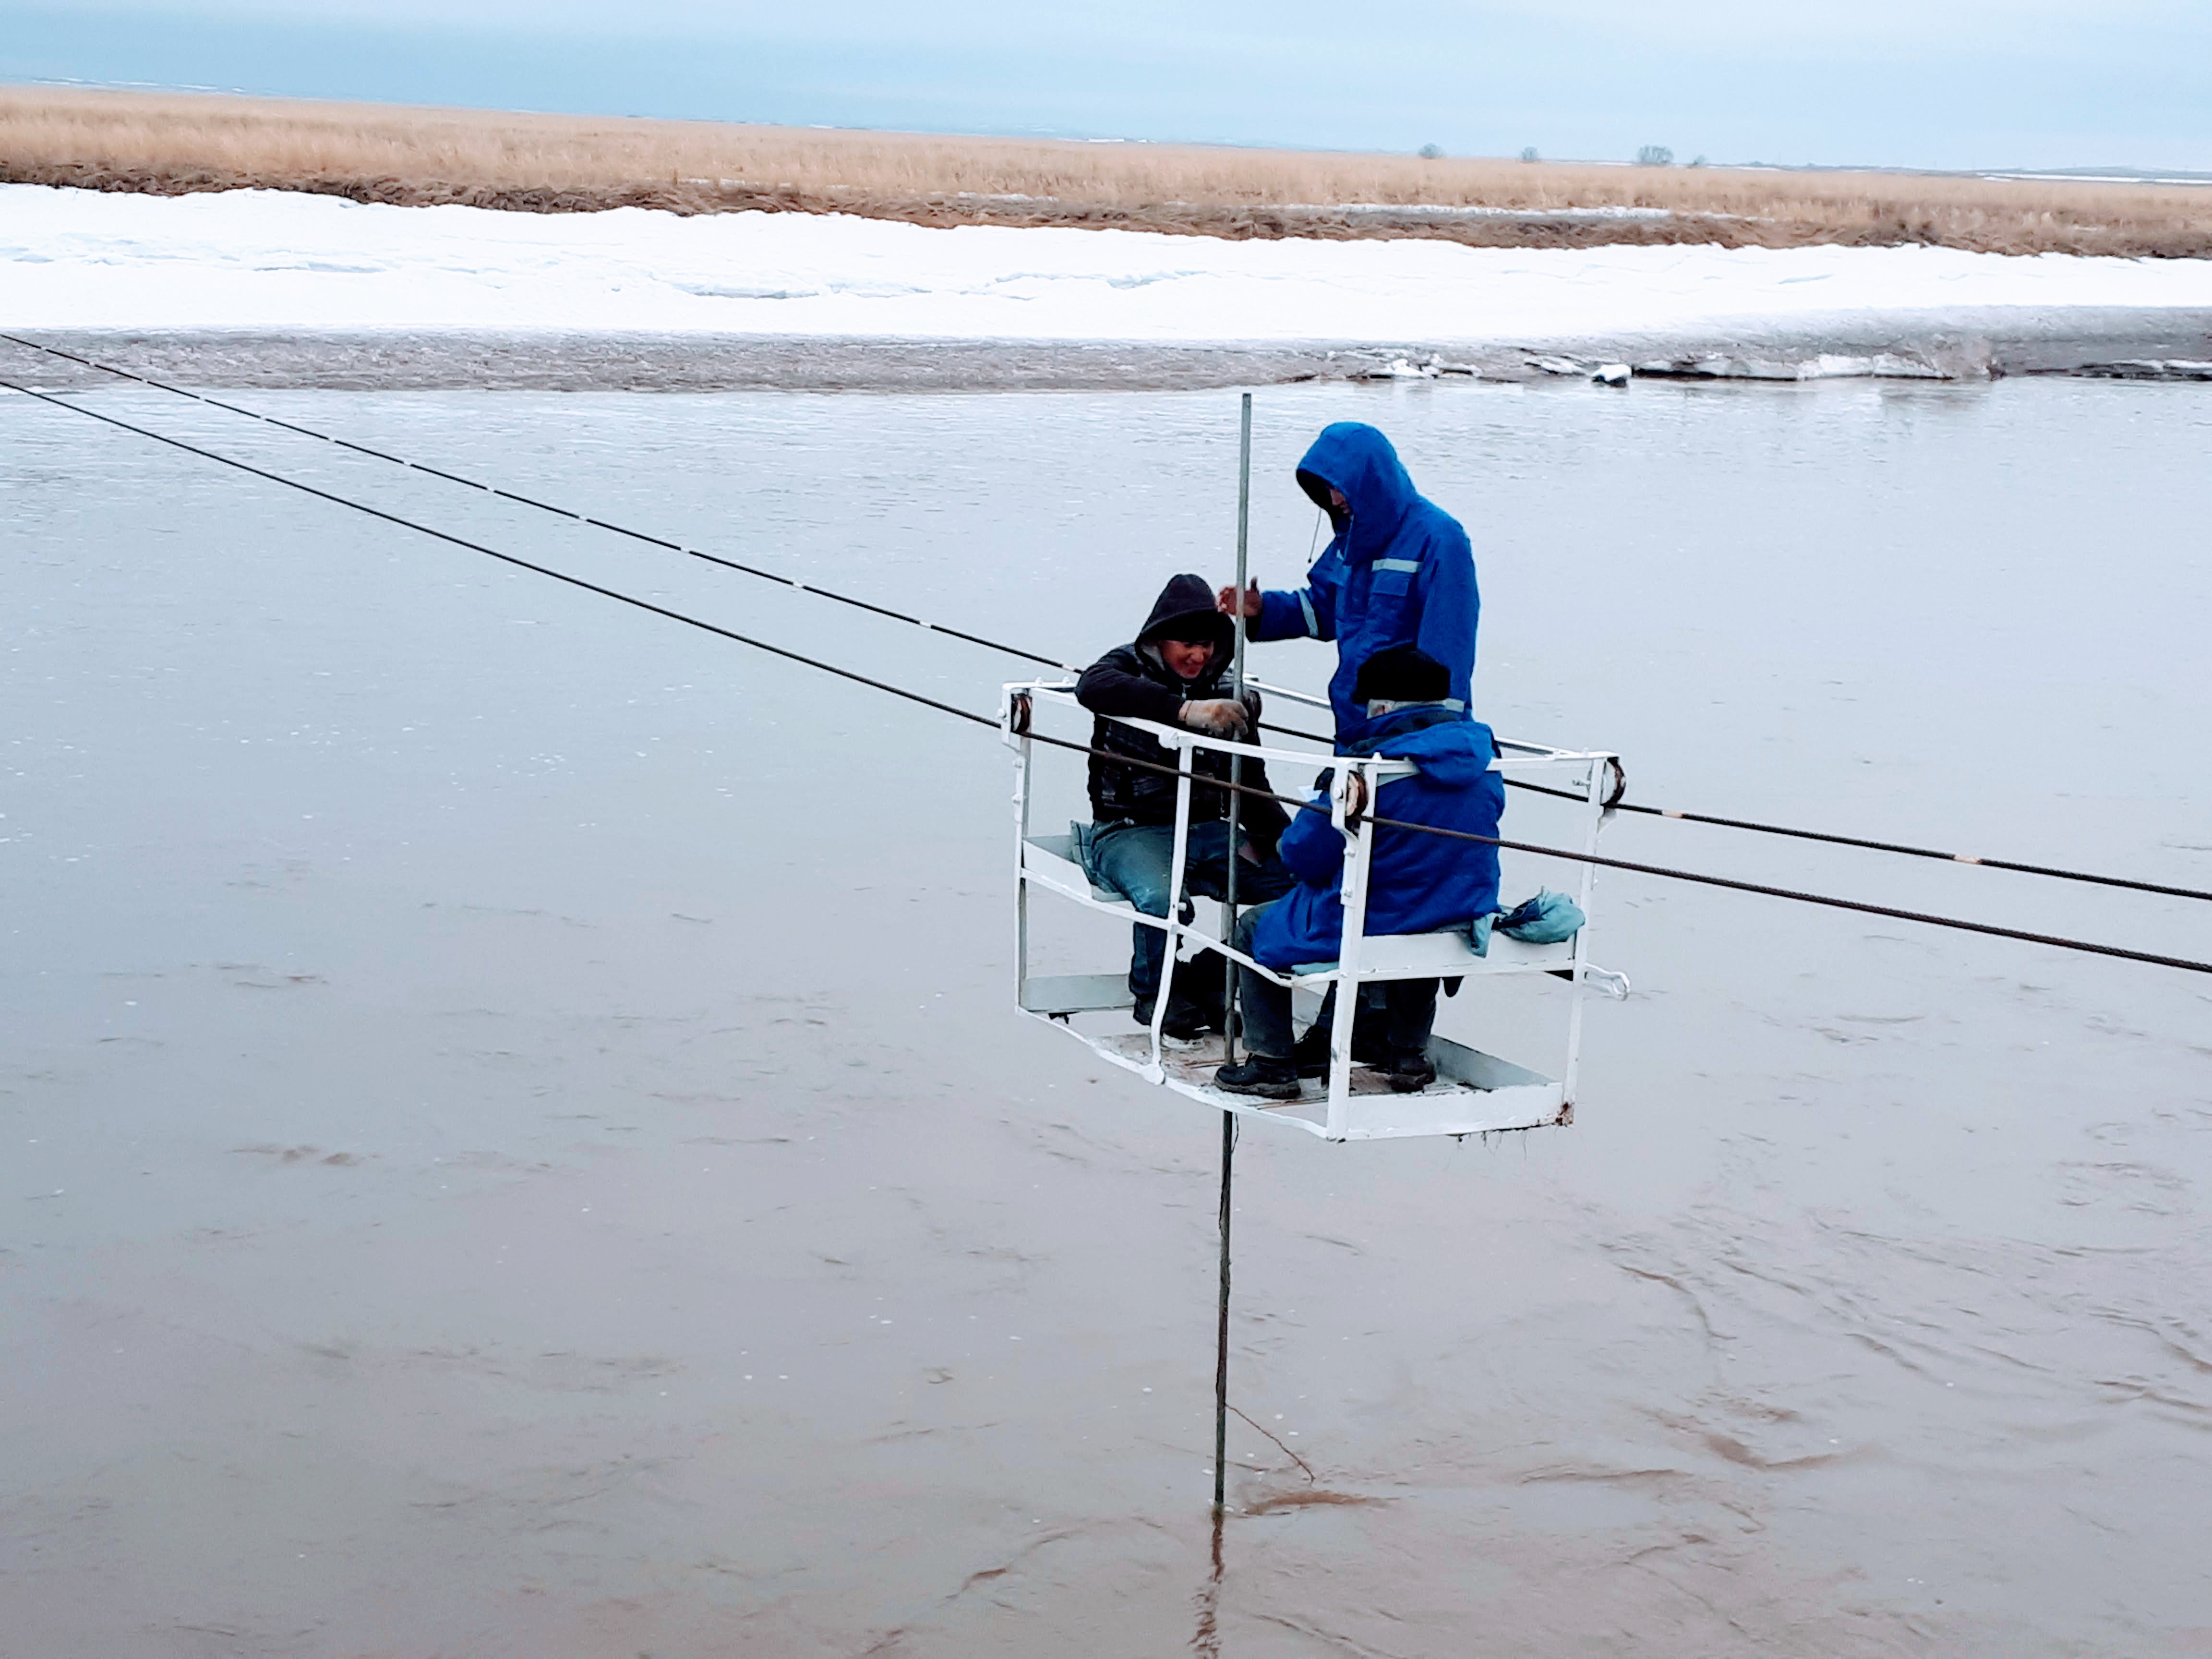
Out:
{"x": 1408, "y": 1071}
{"x": 1310, "y": 1053}
{"x": 1185, "y": 1023}
{"x": 1270, "y": 1080}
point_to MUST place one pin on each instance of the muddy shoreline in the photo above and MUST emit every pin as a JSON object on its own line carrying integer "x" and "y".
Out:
{"x": 1964, "y": 346}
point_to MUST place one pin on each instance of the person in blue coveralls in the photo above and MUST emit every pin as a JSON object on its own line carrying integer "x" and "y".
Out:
{"x": 1417, "y": 882}
{"x": 1398, "y": 572}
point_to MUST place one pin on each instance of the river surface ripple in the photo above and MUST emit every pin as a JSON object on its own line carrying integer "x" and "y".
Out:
{"x": 516, "y": 1142}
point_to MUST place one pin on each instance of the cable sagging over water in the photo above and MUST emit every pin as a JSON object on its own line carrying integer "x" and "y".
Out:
{"x": 2055, "y": 941}
{"x": 1022, "y": 654}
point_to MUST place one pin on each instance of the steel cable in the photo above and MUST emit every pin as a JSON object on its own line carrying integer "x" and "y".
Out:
{"x": 557, "y": 512}
{"x": 1826, "y": 837}
{"x": 513, "y": 559}
{"x": 1879, "y": 845}
{"x": 971, "y": 716}
{"x": 1701, "y": 879}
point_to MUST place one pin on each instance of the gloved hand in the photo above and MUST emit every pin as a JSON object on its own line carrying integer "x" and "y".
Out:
{"x": 1225, "y": 601}
{"x": 1224, "y": 717}
{"x": 1355, "y": 798}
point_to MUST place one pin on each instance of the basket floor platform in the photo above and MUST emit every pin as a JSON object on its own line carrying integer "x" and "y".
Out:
{"x": 1475, "y": 1093}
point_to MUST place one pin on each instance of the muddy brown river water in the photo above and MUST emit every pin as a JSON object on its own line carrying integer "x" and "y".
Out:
{"x": 516, "y": 1142}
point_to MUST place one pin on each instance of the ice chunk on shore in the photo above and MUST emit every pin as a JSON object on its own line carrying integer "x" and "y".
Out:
{"x": 2150, "y": 368}
{"x": 1953, "y": 360}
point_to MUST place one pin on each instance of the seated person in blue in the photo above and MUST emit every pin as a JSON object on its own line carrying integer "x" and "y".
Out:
{"x": 1172, "y": 672}
{"x": 1417, "y": 883}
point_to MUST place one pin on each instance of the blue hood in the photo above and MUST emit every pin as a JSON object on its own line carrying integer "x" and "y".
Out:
{"x": 1356, "y": 459}
{"x": 1448, "y": 746}
{"x": 1399, "y": 571}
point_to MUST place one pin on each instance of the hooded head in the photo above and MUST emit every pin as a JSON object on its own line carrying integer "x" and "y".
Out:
{"x": 1354, "y": 459}
{"x": 1185, "y": 614}
{"x": 1402, "y": 674}
{"x": 1407, "y": 711}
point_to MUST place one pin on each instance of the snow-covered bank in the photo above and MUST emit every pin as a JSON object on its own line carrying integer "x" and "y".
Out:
{"x": 272, "y": 262}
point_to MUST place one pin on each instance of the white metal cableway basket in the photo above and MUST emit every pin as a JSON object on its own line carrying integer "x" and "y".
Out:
{"x": 1473, "y": 1092}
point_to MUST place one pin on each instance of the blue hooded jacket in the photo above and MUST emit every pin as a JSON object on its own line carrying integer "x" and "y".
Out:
{"x": 1417, "y": 883}
{"x": 1398, "y": 572}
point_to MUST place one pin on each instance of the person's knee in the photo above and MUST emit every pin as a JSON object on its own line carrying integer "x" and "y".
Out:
{"x": 1147, "y": 894}
{"x": 1142, "y": 881}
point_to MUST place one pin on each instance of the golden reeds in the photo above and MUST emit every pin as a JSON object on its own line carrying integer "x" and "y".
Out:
{"x": 174, "y": 142}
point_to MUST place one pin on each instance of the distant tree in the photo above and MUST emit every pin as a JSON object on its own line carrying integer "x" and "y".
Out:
{"x": 1431, "y": 152}
{"x": 1529, "y": 153}
{"x": 1697, "y": 161}
{"x": 1655, "y": 156}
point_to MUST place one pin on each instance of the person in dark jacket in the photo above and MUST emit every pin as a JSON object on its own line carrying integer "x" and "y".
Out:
{"x": 1398, "y": 572}
{"x": 1173, "y": 672}
{"x": 1417, "y": 882}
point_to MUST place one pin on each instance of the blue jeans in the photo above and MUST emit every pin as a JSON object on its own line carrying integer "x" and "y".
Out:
{"x": 1132, "y": 858}
{"x": 1394, "y": 1014}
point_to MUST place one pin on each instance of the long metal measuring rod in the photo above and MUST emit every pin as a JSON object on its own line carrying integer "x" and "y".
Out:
{"x": 974, "y": 718}
{"x": 1753, "y": 826}
{"x": 1228, "y": 1029}
{"x": 1229, "y": 967}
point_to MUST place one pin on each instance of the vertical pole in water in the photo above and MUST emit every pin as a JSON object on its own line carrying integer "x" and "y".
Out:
{"x": 1221, "y": 1335}
{"x": 1229, "y": 990}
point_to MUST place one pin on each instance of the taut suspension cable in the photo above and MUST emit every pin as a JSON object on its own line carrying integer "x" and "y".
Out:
{"x": 1018, "y": 652}
{"x": 739, "y": 566}
{"x": 971, "y": 716}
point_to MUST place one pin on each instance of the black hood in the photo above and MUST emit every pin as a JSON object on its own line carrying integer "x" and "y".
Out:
{"x": 1186, "y": 597}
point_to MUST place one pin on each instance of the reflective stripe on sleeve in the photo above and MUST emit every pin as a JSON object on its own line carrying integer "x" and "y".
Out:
{"x": 1313, "y": 624}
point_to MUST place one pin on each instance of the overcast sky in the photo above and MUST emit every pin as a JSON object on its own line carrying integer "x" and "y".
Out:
{"x": 1942, "y": 83}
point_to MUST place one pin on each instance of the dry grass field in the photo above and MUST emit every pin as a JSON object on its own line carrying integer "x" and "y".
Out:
{"x": 170, "y": 143}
